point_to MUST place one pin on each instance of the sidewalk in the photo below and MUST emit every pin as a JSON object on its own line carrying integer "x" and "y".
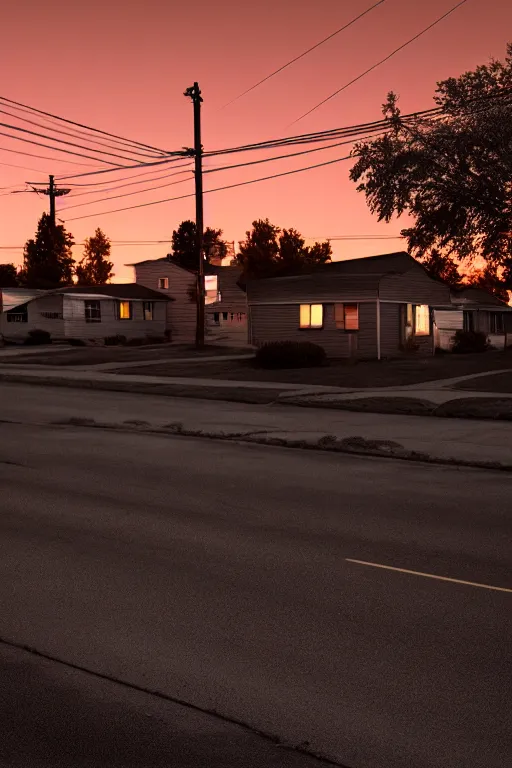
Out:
{"x": 458, "y": 441}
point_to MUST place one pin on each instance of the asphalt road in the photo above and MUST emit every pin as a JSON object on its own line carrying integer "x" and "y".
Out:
{"x": 219, "y": 574}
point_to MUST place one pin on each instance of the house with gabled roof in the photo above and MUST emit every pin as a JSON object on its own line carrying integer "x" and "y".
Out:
{"x": 88, "y": 312}
{"x": 373, "y": 307}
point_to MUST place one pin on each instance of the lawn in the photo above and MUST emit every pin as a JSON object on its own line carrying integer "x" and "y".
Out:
{"x": 338, "y": 373}
{"x": 93, "y": 355}
{"x": 498, "y": 382}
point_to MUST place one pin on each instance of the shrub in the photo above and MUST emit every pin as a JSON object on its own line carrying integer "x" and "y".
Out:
{"x": 113, "y": 341}
{"x": 77, "y": 342}
{"x": 38, "y": 336}
{"x": 465, "y": 342}
{"x": 155, "y": 339}
{"x": 290, "y": 354}
{"x": 136, "y": 341}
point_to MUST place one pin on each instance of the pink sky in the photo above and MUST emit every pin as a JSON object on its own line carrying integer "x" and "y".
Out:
{"x": 123, "y": 67}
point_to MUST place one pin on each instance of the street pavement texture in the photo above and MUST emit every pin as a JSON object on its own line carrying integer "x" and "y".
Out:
{"x": 445, "y": 439}
{"x": 236, "y": 578}
{"x": 56, "y": 717}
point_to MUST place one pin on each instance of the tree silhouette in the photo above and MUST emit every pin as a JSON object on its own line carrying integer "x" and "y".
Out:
{"x": 8, "y": 276}
{"x": 47, "y": 259}
{"x": 451, "y": 174}
{"x": 95, "y": 268}
{"x": 268, "y": 251}
{"x": 184, "y": 245}
{"x": 442, "y": 267}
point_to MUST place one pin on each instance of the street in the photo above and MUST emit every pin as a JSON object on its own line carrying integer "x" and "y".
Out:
{"x": 225, "y": 576}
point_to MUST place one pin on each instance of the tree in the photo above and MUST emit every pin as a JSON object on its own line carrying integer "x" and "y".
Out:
{"x": 8, "y": 276}
{"x": 451, "y": 173}
{"x": 95, "y": 268}
{"x": 491, "y": 280}
{"x": 259, "y": 251}
{"x": 47, "y": 259}
{"x": 268, "y": 251}
{"x": 184, "y": 245}
{"x": 442, "y": 267}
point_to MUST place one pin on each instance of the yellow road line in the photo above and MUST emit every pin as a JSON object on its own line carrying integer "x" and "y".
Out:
{"x": 428, "y": 575}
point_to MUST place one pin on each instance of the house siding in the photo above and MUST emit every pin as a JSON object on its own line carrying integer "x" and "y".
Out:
{"x": 414, "y": 287}
{"x": 181, "y": 313}
{"x": 281, "y": 323}
{"x": 35, "y": 320}
{"x": 77, "y": 327}
{"x": 390, "y": 334}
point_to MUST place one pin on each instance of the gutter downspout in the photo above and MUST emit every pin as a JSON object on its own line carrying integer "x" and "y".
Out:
{"x": 378, "y": 323}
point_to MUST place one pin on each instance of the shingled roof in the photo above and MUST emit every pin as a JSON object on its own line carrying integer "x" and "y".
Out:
{"x": 117, "y": 291}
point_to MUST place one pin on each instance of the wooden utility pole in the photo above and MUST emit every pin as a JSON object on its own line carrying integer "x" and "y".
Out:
{"x": 195, "y": 94}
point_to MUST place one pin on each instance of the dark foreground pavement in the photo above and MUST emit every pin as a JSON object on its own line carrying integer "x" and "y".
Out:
{"x": 56, "y": 717}
{"x": 223, "y": 575}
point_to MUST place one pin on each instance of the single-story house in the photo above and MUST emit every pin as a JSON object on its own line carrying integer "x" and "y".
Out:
{"x": 89, "y": 312}
{"x": 473, "y": 309}
{"x": 226, "y": 302}
{"x": 374, "y": 307}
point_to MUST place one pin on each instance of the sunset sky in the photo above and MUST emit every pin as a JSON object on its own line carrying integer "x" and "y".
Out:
{"x": 123, "y": 67}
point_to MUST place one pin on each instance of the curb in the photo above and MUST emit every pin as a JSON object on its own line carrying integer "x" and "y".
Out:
{"x": 355, "y": 446}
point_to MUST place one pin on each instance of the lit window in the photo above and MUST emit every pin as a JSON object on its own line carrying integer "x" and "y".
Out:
{"x": 311, "y": 315}
{"x": 92, "y": 311}
{"x": 351, "y": 317}
{"x": 422, "y": 320}
{"x": 163, "y": 282}
{"x": 125, "y": 310}
{"x": 147, "y": 309}
{"x": 211, "y": 291}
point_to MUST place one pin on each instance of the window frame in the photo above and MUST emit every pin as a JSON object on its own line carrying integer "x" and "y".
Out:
{"x": 151, "y": 306}
{"x": 341, "y": 322}
{"x": 130, "y": 310}
{"x": 89, "y": 310}
{"x": 493, "y": 317}
{"x": 165, "y": 281}
{"x": 309, "y": 326}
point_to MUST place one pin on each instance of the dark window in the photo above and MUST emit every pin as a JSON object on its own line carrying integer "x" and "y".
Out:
{"x": 17, "y": 317}
{"x": 469, "y": 321}
{"x": 216, "y": 317}
{"x": 346, "y": 317}
{"x": 497, "y": 324}
{"x": 148, "y": 310}
{"x": 224, "y": 315}
{"x": 52, "y": 315}
{"x": 92, "y": 311}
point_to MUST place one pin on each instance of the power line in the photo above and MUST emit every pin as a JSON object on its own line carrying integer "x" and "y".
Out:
{"x": 305, "y": 53}
{"x": 123, "y": 178}
{"x": 179, "y": 155}
{"x": 92, "y": 140}
{"x": 382, "y": 61}
{"x": 126, "y": 194}
{"x": 217, "y": 189}
{"x": 68, "y": 143}
{"x": 81, "y": 125}
{"x": 59, "y": 149}
{"x": 130, "y": 184}
{"x": 45, "y": 157}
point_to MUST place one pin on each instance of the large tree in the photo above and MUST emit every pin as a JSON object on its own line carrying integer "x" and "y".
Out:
{"x": 268, "y": 251}
{"x": 443, "y": 267}
{"x": 8, "y": 276}
{"x": 95, "y": 268}
{"x": 452, "y": 172}
{"x": 47, "y": 259}
{"x": 184, "y": 245}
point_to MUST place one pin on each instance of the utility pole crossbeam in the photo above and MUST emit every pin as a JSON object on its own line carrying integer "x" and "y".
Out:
{"x": 194, "y": 93}
{"x": 52, "y": 191}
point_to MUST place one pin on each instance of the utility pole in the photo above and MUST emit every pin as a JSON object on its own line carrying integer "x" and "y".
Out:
{"x": 52, "y": 191}
{"x": 195, "y": 94}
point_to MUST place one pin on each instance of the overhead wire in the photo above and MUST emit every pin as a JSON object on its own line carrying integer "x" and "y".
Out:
{"x": 94, "y": 140}
{"x": 67, "y": 143}
{"x": 217, "y": 189}
{"x": 129, "y": 184}
{"x": 60, "y": 149}
{"x": 179, "y": 156}
{"x": 45, "y": 157}
{"x": 305, "y": 53}
{"x": 80, "y": 125}
{"x": 382, "y": 61}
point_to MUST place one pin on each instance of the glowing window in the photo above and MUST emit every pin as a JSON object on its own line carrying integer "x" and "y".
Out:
{"x": 125, "y": 310}
{"x": 311, "y": 315}
{"x": 163, "y": 282}
{"x": 422, "y": 320}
